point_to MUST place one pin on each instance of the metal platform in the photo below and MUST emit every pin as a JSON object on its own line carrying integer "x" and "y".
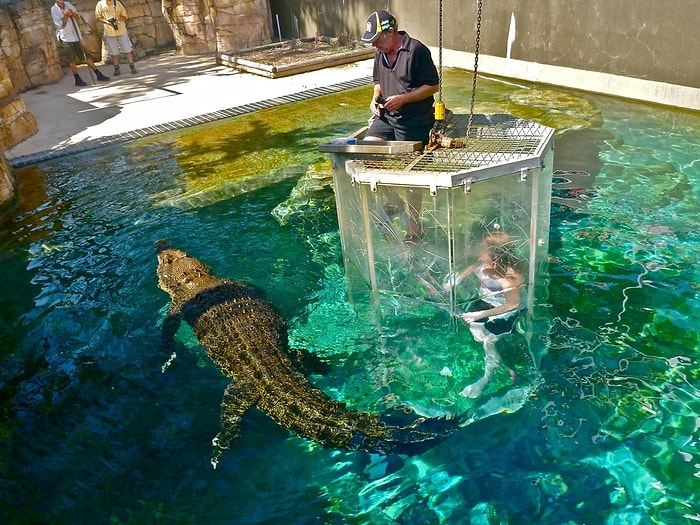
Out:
{"x": 496, "y": 145}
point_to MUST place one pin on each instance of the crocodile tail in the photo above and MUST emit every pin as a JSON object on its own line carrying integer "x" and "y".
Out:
{"x": 394, "y": 436}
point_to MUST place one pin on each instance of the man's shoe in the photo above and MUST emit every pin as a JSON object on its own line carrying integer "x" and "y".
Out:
{"x": 133, "y": 69}
{"x": 100, "y": 76}
{"x": 116, "y": 71}
{"x": 79, "y": 81}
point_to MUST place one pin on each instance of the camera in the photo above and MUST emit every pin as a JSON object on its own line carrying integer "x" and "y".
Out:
{"x": 379, "y": 100}
{"x": 113, "y": 22}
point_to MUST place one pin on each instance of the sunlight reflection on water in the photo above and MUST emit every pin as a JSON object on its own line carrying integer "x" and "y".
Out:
{"x": 609, "y": 437}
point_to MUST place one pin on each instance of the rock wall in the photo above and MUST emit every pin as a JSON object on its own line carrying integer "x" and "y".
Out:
{"x": 29, "y": 48}
{"x": 241, "y": 24}
{"x": 148, "y": 30}
{"x": 28, "y": 44}
{"x": 7, "y": 190}
{"x": 218, "y": 26}
{"x": 30, "y": 51}
{"x": 192, "y": 24}
{"x": 30, "y": 55}
{"x": 16, "y": 124}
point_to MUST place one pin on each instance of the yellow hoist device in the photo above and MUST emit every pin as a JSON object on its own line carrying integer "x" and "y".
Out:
{"x": 437, "y": 137}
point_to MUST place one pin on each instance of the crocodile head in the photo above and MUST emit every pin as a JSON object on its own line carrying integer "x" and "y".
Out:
{"x": 180, "y": 275}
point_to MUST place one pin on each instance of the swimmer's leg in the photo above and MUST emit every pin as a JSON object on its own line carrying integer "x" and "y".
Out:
{"x": 492, "y": 360}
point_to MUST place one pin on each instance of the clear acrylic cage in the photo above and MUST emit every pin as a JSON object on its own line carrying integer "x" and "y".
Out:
{"x": 411, "y": 220}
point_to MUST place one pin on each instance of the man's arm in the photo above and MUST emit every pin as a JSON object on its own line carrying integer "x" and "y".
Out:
{"x": 374, "y": 105}
{"x": 99, "y": 14}
{"x": 57, "y": 17}
{"x": 121, "y": 12}
{"x": 60, "y": 16}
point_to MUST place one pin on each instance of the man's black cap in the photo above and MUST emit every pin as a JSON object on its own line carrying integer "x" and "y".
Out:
{"x": 376, "y": 23}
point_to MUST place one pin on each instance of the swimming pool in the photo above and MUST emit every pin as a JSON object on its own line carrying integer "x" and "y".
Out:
{"x": 97, "y": 429}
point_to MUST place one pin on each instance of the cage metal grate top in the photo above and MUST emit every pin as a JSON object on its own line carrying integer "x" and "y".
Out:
{"x": 492, "y": 140}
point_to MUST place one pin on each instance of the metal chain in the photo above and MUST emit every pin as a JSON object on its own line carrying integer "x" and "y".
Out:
{"x": 476, "y": 64}
{"x": 440, "y": 51}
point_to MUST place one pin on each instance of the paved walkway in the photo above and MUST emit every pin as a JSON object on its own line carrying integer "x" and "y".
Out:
{"x": 169, "y": 92}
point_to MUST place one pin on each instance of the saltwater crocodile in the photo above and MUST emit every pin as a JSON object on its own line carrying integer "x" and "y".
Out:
{"x": 247, "y": 339}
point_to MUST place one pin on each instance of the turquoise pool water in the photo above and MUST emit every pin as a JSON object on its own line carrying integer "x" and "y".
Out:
{"x": 95, "y": 428}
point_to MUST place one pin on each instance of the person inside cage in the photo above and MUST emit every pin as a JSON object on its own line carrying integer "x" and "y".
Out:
{"x": 501, "y": 298}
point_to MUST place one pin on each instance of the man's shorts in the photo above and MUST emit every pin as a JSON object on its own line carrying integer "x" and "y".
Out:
{"x": 115, "y": 43}
{"x": 380, "y": 127}
{"x": 74, "y": 52}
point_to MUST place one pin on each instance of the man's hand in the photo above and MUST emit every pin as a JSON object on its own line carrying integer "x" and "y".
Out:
{"x": 377, "y": 106}
{"x": 394, "y": 103}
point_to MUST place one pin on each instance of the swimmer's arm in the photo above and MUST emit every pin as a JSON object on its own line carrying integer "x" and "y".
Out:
{"x": 482, "y": 314}
{"x": 512, "y": 296}
{"x": 454, "y": 281}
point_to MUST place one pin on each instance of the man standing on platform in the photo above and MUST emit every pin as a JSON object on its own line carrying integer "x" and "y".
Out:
{"x": 405, "y": 80}
{"x": 113, "y": 15}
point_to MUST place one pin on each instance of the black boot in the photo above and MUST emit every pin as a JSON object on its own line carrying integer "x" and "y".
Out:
{"x": 133, "y": 69}
{"x": 100, "y": 76}
{"x": 116, "y": 71}
{"x": 79, "y": 81}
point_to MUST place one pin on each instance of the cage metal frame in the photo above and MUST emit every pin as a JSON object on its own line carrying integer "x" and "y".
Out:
{"x": 497, "y": 145}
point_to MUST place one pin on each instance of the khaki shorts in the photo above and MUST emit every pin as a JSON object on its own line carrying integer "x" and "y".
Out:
{"x": 115, "y": 43}
{"x": 74, "y": 52}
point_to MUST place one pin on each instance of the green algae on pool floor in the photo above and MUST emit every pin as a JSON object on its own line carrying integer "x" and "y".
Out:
{"x": 96, "y": 429}
{"x": 227, "y": 158}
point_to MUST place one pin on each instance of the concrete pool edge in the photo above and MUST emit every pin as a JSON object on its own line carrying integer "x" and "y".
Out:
{"x": 109, "y": 140}
{"x": 676, "y": 96}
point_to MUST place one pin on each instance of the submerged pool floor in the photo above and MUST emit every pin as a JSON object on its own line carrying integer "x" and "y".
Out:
{"x": 99, "y": 426}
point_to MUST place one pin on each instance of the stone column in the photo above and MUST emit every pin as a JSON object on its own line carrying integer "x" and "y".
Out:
{"x": 218, "y": 26}
{"x": 241, "y": 24}
{"x": 192, "y": 25}
{"x": 16, "y": 124}
{"x": 7, "y": 182}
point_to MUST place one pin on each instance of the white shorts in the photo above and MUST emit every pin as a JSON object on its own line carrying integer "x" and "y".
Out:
{"x": 115, "y": 43}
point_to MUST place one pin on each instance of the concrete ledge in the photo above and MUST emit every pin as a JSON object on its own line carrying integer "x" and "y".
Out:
{"x": 626, "y": 87}
{"x": 244, "y": 62}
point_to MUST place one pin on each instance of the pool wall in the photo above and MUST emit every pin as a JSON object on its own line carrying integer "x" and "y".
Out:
{"x": 639, "y": 49}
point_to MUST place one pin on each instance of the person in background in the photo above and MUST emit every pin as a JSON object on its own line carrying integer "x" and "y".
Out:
{"x": 405, "y": 80}
{"x": 501, "y": 299}
{"x": 65, "y": 18}
{"x": 113, "y": 15}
